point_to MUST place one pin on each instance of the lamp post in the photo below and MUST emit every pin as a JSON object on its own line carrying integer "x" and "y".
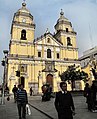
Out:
{"x": 4, "y": 63}
{"x": 39, "y": 81}
{"x": 38, "y": 78}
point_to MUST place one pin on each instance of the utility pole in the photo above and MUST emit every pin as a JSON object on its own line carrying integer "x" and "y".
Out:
{"x": 4, "y": 64}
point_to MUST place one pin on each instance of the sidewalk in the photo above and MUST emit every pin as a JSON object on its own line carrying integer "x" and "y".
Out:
{"x": 47, "y": 107}
{"x": 80, "y": 107}
{"x": 9, "y": 110}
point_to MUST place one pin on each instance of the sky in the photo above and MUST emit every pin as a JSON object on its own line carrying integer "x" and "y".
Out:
{"x": 81, "y": 13}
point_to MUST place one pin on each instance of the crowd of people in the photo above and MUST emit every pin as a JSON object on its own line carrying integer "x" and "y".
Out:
{"x": 90, "y": 94}
{"x": 64, "y": 104}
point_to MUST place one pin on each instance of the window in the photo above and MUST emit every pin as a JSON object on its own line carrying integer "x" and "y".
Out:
{"x": 57, "y": 55}
{"x": 39, "y": 54}
{"x": 22, "y": 69}
{"x": 69, "y": 41}
{"x": 66, "y": 29}
{"x": 23, "y": 34}
{"x": 48, "y": 40}
{"x": 48, "y": 53}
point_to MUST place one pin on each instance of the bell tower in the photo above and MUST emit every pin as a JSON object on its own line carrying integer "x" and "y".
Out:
{"x": 21, "y": 48}
{"x": 64, "y": 31}
{"x": 67, "y": 36}
{"x": 22, "y": 31}
{"x": 23, "y": 26}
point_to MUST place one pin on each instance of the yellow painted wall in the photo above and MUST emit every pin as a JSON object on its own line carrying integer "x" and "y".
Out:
{"x": 27, "y": 53}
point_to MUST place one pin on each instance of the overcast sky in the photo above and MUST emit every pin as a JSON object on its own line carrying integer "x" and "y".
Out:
{"x": 81, "y": 13}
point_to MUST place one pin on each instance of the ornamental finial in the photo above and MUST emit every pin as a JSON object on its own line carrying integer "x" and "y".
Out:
{"x": 24, "y": 4}
{"x": 61, "y": 13}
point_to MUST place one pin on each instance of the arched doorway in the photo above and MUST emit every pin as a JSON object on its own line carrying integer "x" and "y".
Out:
{"x": 22, "y": 81}
{"x": 49, "y": 79}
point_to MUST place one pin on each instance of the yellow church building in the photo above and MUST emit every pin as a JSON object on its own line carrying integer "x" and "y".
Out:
{"x": 39, "y": 60}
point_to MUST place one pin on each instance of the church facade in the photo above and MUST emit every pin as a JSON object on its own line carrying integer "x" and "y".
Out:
{"x": 39, "y": 60}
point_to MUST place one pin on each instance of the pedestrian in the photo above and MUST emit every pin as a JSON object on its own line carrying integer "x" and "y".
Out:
{"x": 86, "y": 91}
{"x": 22, "y": 100}
{"x": 94, "y": 95}
{"x": 88, "y": 96}
{"x": 31, "y": 91}
{"x": 46, "y": 92}
{"x": 7, "y": 89}
{"x": 64, "y": 103}
{"x": 14, "y": 90}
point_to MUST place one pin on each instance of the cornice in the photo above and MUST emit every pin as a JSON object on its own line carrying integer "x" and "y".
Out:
{"x": 63, "y": 22}
{"x": 64, "y": 32}
{"x": 23, "y": 14}
{"x": 33, "y": 58}
{"x": 12, "y": 41}
{"x": 29, "y": 25}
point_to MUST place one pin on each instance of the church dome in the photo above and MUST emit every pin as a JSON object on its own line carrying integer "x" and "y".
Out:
{"x": 62, "y": 23}
{"x": 62, "y": 18}
{"x": 23, "y": 16}
{"x": 23, "y": 9}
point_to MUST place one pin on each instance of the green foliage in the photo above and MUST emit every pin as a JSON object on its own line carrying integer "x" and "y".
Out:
{"x": 71, "y": 74}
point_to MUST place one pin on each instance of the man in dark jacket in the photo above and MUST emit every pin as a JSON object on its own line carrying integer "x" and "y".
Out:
{"x": 64, "y": 103}
{"x": 22, "y": 100}
{"x": 88, "y": 95}
{"x": 14, "y": 90}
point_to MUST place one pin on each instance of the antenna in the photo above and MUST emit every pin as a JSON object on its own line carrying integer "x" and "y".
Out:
{"x": 90, "y": 34}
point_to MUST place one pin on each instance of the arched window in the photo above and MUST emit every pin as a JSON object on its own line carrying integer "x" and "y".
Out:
{"x": 48, "y": 40}
{"x": 23, "y": 34}
{"x": 69, "y": 41}
{"x": 22, "y": 69}
{"x": 48, "y": 53}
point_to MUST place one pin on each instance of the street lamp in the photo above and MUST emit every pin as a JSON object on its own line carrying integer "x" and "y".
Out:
{"x": 39, "y": 74}
{"x": 39, "y": 81}
{"x": 4, "y": 63}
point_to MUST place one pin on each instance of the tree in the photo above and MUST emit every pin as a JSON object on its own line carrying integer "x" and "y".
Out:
{"x": 71, "y": 74}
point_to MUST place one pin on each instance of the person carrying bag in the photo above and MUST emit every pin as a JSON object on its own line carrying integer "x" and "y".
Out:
{"x": 28, "y": 111}
{"x": 22, "y": 100}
